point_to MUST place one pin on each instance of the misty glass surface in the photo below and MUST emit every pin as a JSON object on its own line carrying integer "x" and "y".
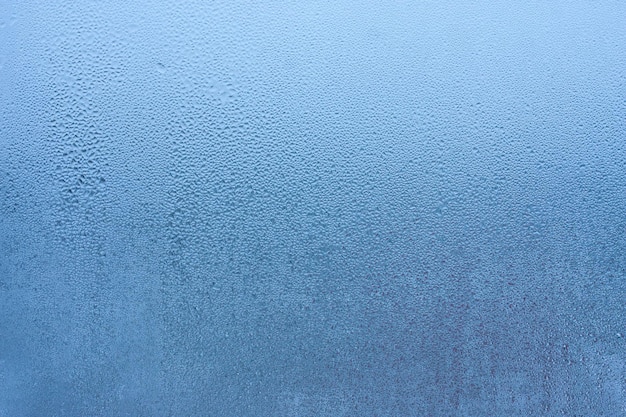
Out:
{"x": 312, "y": 208}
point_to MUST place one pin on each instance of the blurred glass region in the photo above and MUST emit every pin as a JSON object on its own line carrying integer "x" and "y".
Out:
{"x": 313, "y": 208}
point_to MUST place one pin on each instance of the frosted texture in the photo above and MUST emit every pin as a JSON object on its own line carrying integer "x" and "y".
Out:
{"x": 312, "y": 208}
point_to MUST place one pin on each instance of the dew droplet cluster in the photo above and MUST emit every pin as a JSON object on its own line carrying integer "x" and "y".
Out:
{"x": 312, "y": 208}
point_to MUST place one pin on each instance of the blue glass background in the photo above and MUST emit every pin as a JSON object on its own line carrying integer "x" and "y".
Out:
{"x": 313, "y": 208}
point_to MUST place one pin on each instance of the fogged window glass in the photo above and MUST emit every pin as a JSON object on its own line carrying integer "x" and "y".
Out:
{"x": 312, "y": 208}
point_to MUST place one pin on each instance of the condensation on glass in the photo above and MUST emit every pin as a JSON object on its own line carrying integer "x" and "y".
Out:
{"x": 312, "y": 208}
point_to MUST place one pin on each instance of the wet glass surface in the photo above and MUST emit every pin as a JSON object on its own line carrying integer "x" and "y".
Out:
{"x": 312, "y": 208}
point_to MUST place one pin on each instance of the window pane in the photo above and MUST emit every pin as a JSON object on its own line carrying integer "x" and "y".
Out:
{"x": 312, "y": 208}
